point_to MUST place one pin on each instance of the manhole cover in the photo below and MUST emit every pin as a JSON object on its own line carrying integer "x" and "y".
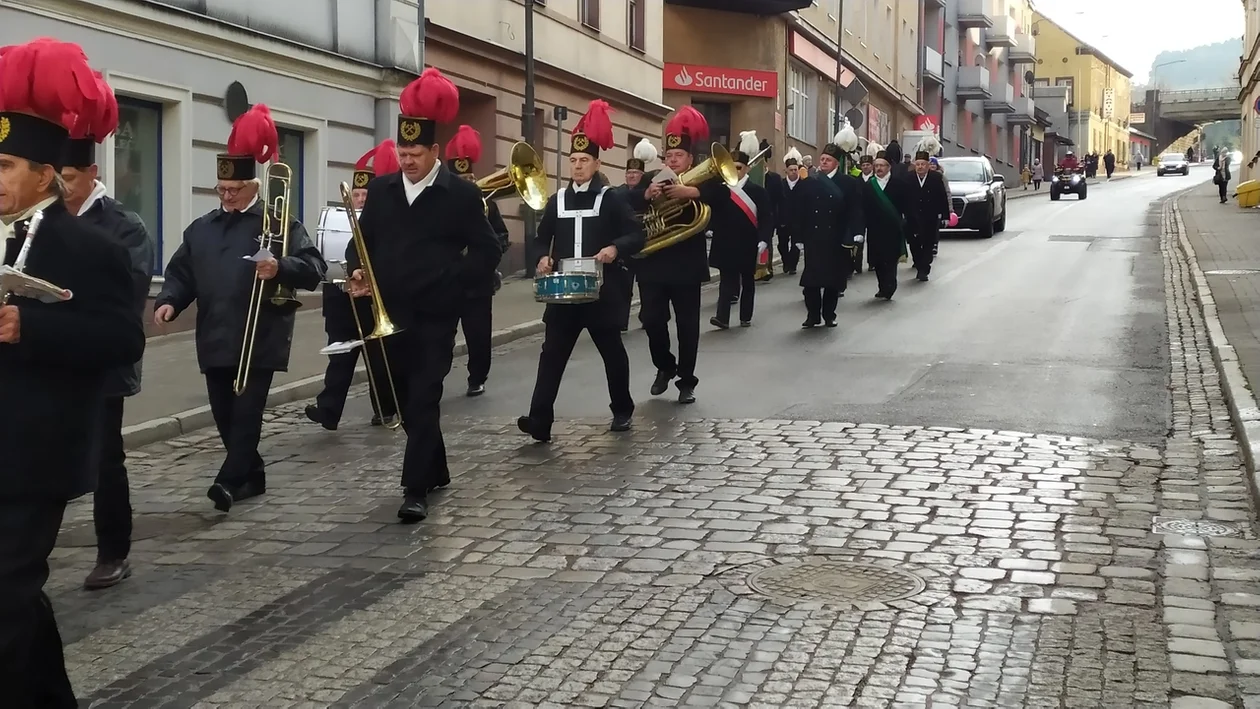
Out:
{"x": 838, "y": 582}
{"x": 83, "y": 534}
{"x": 1232, "y": 272}
{"x": 1192, "y": 527}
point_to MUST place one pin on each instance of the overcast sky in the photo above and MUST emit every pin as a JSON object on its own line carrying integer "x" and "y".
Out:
{"x": 1132, "y": 32}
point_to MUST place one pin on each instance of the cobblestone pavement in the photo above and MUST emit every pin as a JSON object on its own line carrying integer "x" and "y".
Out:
{"x": 695, "y": 563}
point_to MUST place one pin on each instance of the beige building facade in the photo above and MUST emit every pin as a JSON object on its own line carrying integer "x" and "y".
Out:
{"x": 1249, "y": 94}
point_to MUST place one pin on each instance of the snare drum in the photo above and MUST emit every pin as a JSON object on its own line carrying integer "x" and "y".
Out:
{"x": 583, "y": 265}
{"x": 331, "y": 238}
{"x": 567, "y": 288}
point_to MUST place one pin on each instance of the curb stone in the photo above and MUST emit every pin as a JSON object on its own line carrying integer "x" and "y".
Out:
{"x": 1244, "y": 410}
{"x": 191, "y": 420}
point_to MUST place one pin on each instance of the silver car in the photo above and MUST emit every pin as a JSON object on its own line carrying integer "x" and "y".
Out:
{"x": 979, "y": 194}
{"x": 1173, "y": 162}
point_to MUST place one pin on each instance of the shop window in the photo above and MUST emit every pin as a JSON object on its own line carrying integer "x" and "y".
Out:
{"x": 1066, "y": 81}
{"x": 802, "y": 114}
{"x": 293, "y": 154}
{"x": 590, "y": 13}
{"x": 138, "y": 166}
{"x": 636, "y": 22}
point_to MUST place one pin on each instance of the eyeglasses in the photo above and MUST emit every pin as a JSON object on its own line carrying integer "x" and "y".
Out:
{"x": 228, "y": 191}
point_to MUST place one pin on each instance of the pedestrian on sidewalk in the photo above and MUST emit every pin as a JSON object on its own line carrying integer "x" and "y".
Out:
{"x": 340, "y": 312}
{"x": 1109, "y": 162}
{"x": 426, "y": 235}
{"x": 55, "y": 358}
{"x": 742, "y": 230}
{"x": 1221, "y": 174}
{"x": 215, "y": 267}
{"x": 86, "y": 197}
{"x": 476, "y": 316}
{"x": 587, "y": 219}
{"x": 1039, "y": 174}
{"x": 1025, "y": 177}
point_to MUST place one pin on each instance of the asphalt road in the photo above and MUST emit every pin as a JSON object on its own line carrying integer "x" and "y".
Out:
{"x": 1056, "y": 326}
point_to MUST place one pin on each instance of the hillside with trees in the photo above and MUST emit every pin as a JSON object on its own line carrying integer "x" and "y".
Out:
{"x": 1204, "y": 67}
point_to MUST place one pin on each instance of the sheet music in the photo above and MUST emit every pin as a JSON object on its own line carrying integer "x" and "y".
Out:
{"x": 27, "y": 286}
{"x": 665, "y": 175}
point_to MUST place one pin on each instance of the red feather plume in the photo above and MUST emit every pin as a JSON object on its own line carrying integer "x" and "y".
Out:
{"x": 254, "y": 134}
{"x": 385, "y": 161}
{"x": 432, "y": 97}
{"x": 689, "y": 122}
{"x": 466, "y": 143}
{"x": 50, "y": 79}
{"x": 99, "y": 118}
{"x": 365, "y": 161}
{"x": 597, "y": 124}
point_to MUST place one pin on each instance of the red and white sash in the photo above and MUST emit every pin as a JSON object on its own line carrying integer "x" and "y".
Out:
{"x": 745, "y": 203}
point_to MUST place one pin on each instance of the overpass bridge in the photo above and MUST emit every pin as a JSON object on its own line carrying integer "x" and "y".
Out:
{"x": 1169, "y": 115}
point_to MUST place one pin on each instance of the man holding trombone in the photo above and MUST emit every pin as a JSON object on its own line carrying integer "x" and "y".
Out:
{"x": 425, "y": 235}
{"x": 236, "y": 263}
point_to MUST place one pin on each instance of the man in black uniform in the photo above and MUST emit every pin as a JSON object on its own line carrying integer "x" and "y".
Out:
{"x": 672, "y": 277}
{"x": 830, "y": 239}
{"x": 931, "y": 212}
{"x": 55, "y": 357}
{"x": 587, "y": 219}
{"x": 339, "y": 319}
{"x": 462, "y": 153}
{"x": 776, "y": 192}
{"x": 644, "y": 154}
{"x": 86, "y": 197}
{"x": 417, "y": 226}
{"x": 213, "y": 267}
{"x": 887, "y": 210}
{"x": 743, "y": 227}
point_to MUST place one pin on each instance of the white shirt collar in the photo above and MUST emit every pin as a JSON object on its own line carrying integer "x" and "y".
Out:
{"x": 582, "y": 187}
{"x": 792, "y": 183}
{"x": 833, "y": 172}
{"x": 6, "y": 225}
{"x": 98, "y": 191}
{"x": 922, "y": 179}
{"x": 413, "y": 189}
{"x": 866, "y": 177}
{"x": 248, "y": 207}
{"x": 883, "y": 181}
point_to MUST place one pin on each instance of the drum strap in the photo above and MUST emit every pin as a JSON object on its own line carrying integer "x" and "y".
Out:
{"x": 577, "y": 215}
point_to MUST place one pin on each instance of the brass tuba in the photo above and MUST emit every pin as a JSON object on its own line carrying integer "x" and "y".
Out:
{"x": 523, "y": 176}
{"x": 662, "y": 219}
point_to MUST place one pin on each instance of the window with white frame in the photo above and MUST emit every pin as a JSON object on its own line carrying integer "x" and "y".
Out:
{"x": 802, "y": 115}
{"x": 831, "y": 113}
{"x": 138, "y": 165}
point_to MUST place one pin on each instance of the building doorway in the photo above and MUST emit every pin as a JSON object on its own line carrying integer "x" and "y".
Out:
{"x": 719, "y": 117}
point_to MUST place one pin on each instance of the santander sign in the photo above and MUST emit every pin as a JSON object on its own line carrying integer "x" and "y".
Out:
{"x": 720, "y": 80}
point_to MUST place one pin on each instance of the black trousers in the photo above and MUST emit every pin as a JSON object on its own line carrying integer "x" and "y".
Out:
{"x": 558, "y": 343}
{"x": 789, "y": 252}
{"x": 625, "y": 304}
{"x": 32, "y": 665}
{"x": 886, "y": 273}
{"x": 239, "y": 420}
{"x": 1223, "y": 188}
{"x": 655, "y": 300}
{"x": 111, "y": 503}
{"x": 476, "y": 321}
{"x": 923, "y": 247}
{"x": 736, "y": 284}
{"x": 421, "y": 355}
{"x": 339, "y": 375}
{"x": 821, "y": 303}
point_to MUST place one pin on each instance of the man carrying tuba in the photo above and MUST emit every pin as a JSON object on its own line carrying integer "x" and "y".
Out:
{"x": 671, "y": 277}
{"x": 213, "y": 267}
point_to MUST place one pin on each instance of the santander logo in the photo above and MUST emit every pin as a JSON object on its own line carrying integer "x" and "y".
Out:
{"x": 720, "y": 80}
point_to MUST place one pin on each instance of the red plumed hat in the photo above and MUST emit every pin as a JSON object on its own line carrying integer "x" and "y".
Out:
{"x": 45, "y": 86}
{"x": 426, "y": 102}
{"x": 594, "y": 131}
{"x": 685, "y": 129}
{"x": 463, "y": 150}
{"x": 385, "y": 160}
{"x": 98, "y": 122}
{"x": 254, "y": 140}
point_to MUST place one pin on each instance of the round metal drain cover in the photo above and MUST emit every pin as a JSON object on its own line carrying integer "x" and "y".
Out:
{"x": 83, "y": 534}
{"x": 1232, "y": 272}
{"x": 1192, "y": 527}
{"x": 836, "y": 582}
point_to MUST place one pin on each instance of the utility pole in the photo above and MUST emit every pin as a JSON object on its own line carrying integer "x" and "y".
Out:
{"x": 835, "y": 128}
{"x": 420, "y": 35}
{"x": 527, "y": 128}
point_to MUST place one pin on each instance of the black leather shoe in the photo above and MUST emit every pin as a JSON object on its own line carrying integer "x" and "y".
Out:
{"x": 221, "y": 497}
{"x": 810, "y": 322}
{"x": 718, "y": 323}
{"x": 530, "y": 427}
{"x": 884, "y": 296}
{"x": 476, "y": 389}
{"x": 745, "y": 323}
{"x": 831, "y": 323}
{"x": 661, "y": 383}
{"x": 107, "y": 574}
{"x": 250, "y": 489}
{"x": 923, "y": 277}
{"x": 321, "y": 417}
{"x": 414, "y": 509}
{"x": 620, "y": 423}
{"x": 376, "y": 420}
{"x": 686, "y": 395}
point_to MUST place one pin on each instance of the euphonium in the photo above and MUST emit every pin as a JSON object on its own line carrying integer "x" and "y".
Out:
{"x": 523, "y": 176}
{"x": 663, "y": 219}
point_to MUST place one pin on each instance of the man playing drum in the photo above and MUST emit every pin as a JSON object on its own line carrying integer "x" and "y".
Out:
{"x": 594, "y": 223}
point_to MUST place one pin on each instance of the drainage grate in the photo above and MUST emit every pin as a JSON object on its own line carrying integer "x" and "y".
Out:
{"x": 1192, "y": 527}
{"x": 1232, "y": 272}
{"x": 835, "y": 582}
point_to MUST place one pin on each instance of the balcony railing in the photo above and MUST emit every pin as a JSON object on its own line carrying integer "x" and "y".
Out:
{"x": 1002, "y": 100}
{"x": 976, "y": 14}
{"x": 933, "y": 65}
{"x": 1025, "y": 111}
{"x": 973, "y": 83}
{"x": 1025, "y": 49}
{"x": 751, "y": 7}
{"x": 1002, "y": 33}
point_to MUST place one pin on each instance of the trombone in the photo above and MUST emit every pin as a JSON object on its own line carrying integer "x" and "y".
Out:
{"x": 275, "y": 227}
{"x": 384, "y": 326}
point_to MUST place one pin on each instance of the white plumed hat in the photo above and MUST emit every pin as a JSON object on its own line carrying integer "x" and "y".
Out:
{"x": 748, "y": 143}
{"x": 846, "y": 139}
{"x": 872, "y": 148}
{"x": 645, "y": 151}
{"x": 792, "y": 155}
{"x": 929, "y": 144}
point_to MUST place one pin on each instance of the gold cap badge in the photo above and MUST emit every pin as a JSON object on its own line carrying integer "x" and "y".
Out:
{"x": 462, "y": 166}
{"x": 673, "y": 141}
{"x": 5, "y": 128}
{"x": 409, "y": 130}
{"x": 361, "y": 180}
{"x": 224, "y": 167}
{"x": 581, "y": 142}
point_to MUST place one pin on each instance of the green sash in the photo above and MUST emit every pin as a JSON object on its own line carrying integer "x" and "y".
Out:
{"x": 892, "y": 212}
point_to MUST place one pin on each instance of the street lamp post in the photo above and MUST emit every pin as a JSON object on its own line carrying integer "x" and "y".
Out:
{"x": 527, "y": 126}
{"x": 835, "y": 128}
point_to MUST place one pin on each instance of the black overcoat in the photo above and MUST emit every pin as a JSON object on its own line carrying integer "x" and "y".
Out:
{"x": 818, "y": 222}
{"x": 211, "y": 268}
{"x": 735, "y": 237}
{"x": 52, "y": 381}
{"x": 885, "y": 231}
{"x": 482, "y": 287}
{"x": 617, "y": 226}
{"x": 684, "y": 263}
{"x": 929, "y": 202}
{"x": 425, "y": 253}
{"x": 125, "y": 227}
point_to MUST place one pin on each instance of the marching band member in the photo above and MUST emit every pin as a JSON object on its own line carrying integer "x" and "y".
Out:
{"x": 829, "y": 235}
{"x": 789, "y": 249}
{"x": 743, "y": 227}
{"x": 416, "y": 225}
{"x": 586, "y": 219}
{"x": 775, "y": 188}
{"x": 866, "y": 168}
{"x": 86, "y": 197}
{"x": 672, "y": 277}
{"x": 339, "y": 319}
{"x": 644, "y": 153}
{"x": 931, "y": 208}
{"x": 888, "y": 211}
{"x": 476, "y": 317}
{"x": 211, "y": 268}
{"x": 55, "y": 357}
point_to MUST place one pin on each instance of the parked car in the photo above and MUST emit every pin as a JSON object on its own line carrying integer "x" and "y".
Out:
{"x": 1172, "y": 162}
{"x": 1065, "y": 181}
{"x": 979, "y": 194}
